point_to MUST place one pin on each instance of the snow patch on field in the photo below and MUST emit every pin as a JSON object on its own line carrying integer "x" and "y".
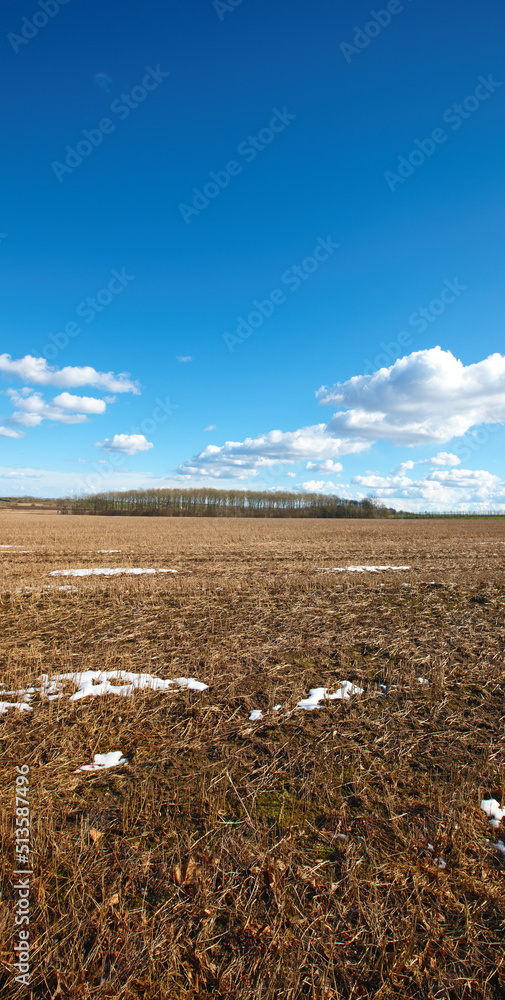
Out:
{"x": 99, "y": 682}
{"x": 5, "y": 705}
{"x": 131, "y": 570}
{"x": 493, "y": 812}
{"x": 101, "y": 761}
{"x": 362, "y": 569}
{"x": 317, "y": 695}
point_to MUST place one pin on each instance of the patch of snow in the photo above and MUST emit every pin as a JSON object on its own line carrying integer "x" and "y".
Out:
{"x": 316, "y": 695}
{"x": 5, "y": 705}
{"x": 422, "y": 680}
{"x": 493, "y": 811}
{"x": 107, "y": 571}
{"x": 255, "y": 715}
{"x": 101, "y": 761}
{"x": 366, "y": 569}
{"x": 98, "y": 682}
{"x": 276, "y": 708}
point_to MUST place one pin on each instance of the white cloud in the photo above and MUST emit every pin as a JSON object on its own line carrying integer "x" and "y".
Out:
{"x": 441, "y": 489}
{"x": 428, "y": 396}
{"x": 127, "y": 444}
{"x": 327, "y": 466}
{"x": 290, "y": 475}
{"x": 444, "y": 458}
{"x": 32, "y": 409}
{"x": 8, "y": 432}
{"x": 464, "y": 478}
{"x": 211, "y": 427}
{"x": 80, "y": 404}
{"x": 321, "y": 486}
{"x": 37, "y": 371}
{"x": 185, "y": 359}
{"x": 242, "y": 459}
{"x": 424, "y": 398}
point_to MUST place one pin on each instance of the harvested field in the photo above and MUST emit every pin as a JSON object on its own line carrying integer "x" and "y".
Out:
{"x": 333, "y": 853}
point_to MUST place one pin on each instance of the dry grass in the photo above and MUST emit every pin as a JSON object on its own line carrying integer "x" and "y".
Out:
{"x": 215, "y": 863}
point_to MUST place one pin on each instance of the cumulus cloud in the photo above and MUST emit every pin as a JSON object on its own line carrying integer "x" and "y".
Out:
{"x": 242, "y": 459}
{"x": 79, "y": 404}
{"x": 441, "y": 489}
{"x": 404, "y": 467}
{"x": 32, "y": 409}
{"x": 320, "y": 486}
{"x": 38, "y": 372}
{"x": 327, "y": 466}
{"x": 428, "y": 396}
{"x": 126, "y": 444}
{"x": 425, "y": 398}
{"x": 444, "y": 458}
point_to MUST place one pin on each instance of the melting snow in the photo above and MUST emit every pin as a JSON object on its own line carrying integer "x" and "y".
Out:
{"x": 98, "y": 682}
{"x": 107, "y": 572}
{"x": 104, "y": 760}
{"x": 493, "y": 811}
{"x": 316, "y": 695}
{"x": 5, "y": 705}
{"x": 364, "y": 569}
{"x": 255, "y": 715}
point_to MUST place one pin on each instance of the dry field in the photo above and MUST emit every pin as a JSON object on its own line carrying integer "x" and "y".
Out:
{"x": 334, "y": 853}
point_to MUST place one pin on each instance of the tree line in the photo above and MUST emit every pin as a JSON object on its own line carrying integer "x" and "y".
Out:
{"x": 221, "y": 503}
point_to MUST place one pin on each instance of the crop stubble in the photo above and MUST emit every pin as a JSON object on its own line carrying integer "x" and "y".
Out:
{"x": 214, "y": 864}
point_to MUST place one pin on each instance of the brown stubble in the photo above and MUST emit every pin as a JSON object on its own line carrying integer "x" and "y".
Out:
{"x": 214, "y": 864}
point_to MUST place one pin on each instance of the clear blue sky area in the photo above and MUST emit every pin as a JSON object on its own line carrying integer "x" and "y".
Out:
{"x": 237, "y": 204}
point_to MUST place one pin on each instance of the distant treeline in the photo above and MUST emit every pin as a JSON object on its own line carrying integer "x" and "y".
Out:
{"x": 222, "y": 503}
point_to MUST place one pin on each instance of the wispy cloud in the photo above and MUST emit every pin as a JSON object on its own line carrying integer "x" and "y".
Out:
{"x": 185, "y": 358}
{"x": 211, "y": 427}
{"x": 103, "y": 80}
{"x": 8, "y": 432}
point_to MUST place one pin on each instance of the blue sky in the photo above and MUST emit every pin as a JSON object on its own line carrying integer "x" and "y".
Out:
{"x": 236, "y": 205}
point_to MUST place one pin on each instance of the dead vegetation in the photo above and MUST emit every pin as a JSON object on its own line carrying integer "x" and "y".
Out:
{"x": 298, "y": 856}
